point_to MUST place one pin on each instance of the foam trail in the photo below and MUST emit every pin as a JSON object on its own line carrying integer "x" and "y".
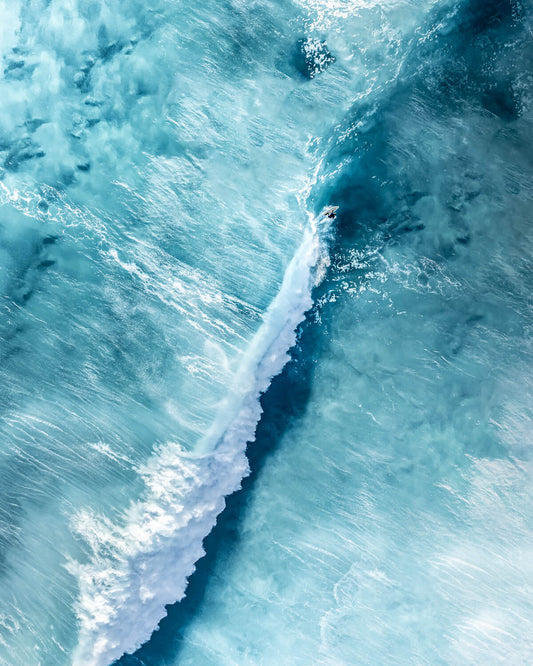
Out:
{"x": 136, "y": 569}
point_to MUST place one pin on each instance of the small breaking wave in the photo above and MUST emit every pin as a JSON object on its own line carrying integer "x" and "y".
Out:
{"x": 135, "y": 570}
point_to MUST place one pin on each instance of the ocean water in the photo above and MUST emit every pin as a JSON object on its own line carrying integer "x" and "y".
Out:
{"x": 186, "y": 338}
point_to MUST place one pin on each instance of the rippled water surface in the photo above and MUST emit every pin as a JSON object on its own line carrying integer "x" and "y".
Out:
{"x": 164, "y": 256}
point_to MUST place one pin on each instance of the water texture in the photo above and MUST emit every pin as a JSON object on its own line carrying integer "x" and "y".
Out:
{"x": 164, "y": 254}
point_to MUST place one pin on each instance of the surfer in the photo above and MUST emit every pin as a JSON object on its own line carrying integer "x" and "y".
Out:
{"x": 330, "y": 212}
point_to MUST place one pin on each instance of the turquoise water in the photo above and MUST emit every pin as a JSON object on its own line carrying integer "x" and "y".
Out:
{"x": 164, "y": 257}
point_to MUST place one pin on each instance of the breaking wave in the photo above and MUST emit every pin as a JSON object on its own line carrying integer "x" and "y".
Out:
{"x": 122, "y": 590}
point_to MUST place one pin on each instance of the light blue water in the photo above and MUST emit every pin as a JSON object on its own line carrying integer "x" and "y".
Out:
{"x": 164, "y": 171}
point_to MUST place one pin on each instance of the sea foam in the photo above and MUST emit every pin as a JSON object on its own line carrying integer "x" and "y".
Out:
{"x": 136, "y": 569}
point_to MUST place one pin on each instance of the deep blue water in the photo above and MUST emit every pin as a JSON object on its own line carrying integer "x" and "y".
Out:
{"x": 187, "y": 339}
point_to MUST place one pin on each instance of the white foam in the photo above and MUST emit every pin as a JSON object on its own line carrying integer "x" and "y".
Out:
{"x": 136, "y": 569}
{"x": 10, "y": 25}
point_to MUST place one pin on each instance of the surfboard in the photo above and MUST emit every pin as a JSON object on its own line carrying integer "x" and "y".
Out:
{"x": 330, "y": 211}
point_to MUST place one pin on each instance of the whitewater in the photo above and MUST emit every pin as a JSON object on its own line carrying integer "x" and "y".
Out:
{"x": 123, "y": 596}
{"x": 238, "y": 428}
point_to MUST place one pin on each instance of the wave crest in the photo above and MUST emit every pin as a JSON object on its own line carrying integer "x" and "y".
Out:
{"x": 135, "y": 570}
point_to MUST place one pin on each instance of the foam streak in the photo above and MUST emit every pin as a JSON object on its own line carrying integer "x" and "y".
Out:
{"x": 137, "y": 569}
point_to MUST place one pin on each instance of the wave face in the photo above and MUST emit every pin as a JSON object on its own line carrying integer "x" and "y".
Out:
{"x": 163, "y": 172}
